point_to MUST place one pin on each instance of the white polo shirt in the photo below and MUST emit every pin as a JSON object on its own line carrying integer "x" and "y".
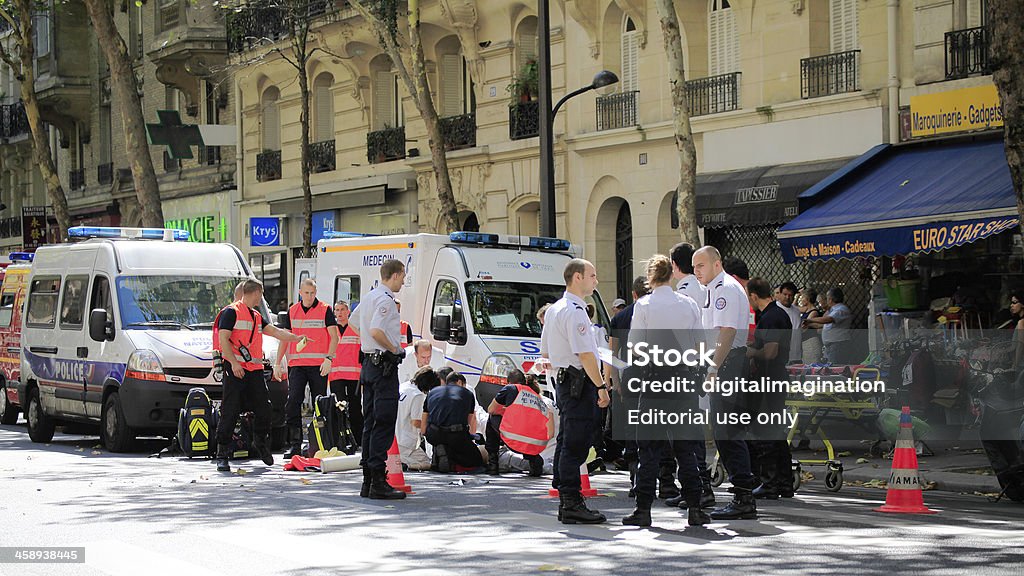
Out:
{"x": 728, "y": 307}
{"x": 663, "y": 310}
{"x": 692, "y": 287}
{"x": 379, "y": 311}
{"x": 567, "y": 332}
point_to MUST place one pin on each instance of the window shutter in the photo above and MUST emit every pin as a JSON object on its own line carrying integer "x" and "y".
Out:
{"x": 452, "y": 85}
{"x": 974, "y": 16}
{"x": 843, "y": 27}
{"x": 713, "y": 42}
{"x": 324, "y": 113}
{"x": 731, "y": 42}
{"x": 527, "y": 46}
{"x": 723, "y": 40}
{"x": 271, "y": 126}
{"x": 630, "y": 53}
{"x": 383, "y": 100}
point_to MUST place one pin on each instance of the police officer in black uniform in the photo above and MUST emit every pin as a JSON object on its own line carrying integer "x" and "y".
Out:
{"x": 380, "y": 334}
{"x": 567, "y": 342}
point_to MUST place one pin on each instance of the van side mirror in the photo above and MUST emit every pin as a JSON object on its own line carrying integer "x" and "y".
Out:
{"x": 100, "y": 327}
{"x": 442, "y": 327}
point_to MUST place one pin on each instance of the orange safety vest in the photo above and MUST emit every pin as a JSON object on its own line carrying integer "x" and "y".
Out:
{"x": 406, "y": 334}
{"x": 216, "y": 331}
{"x": 524, "y": 426}
{"x": 312, "y": 325}
{"x": 346, "y": 362}
{"x": 248, "y": 331}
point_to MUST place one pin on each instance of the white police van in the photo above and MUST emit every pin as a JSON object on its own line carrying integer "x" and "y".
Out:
{"x": 473, "y": 295}
{"x": 117, "y": 329}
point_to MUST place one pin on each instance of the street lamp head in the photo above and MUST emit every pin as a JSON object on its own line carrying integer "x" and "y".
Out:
{"x": 604, "y": 78}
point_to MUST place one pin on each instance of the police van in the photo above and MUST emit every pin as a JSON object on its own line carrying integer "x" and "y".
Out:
{"x": 473, "y": 295}
{"x": 12, "y": 297}
{"x": 118, "y": 328}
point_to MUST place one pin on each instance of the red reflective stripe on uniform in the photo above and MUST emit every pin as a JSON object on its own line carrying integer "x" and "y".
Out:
{"x": 406, "y": 334}
{"x": 346, "y": 362}
{"x": 310, "y": 324}
{"x": 247, "y": 331}
{"x": 524, "y": 426}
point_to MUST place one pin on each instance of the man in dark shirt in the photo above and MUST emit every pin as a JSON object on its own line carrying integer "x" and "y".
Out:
{"x": 769, "y": 353}
{"x": 449, "y": 423}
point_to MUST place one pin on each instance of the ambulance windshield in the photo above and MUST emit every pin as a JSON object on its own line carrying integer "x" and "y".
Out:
{"x": 508, "y": 308}
{"x": 173, "y": 302}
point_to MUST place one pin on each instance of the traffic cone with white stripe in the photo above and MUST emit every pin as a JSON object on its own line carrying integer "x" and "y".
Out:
{"x": 905, "y": 495}
{"x": 394, "y": 469}
{"x": 585, "y": 489}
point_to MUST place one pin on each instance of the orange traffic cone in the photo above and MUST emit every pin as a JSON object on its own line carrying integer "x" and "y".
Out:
{"x": 585, "y": 490}
{"x": 394, "y": 468}
{"x": 904, "y": 495}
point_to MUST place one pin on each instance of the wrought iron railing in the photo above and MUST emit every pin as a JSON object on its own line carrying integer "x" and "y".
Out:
{"x": 829, "y": 74}
{"x": 967, "y": 52}
{"x": 458, "y": 131}
{"x": 105, "y": 173}
{"x": 10, "y": 227}
{"x": 171, "y": 164}
{"x": 616, "y": 110}
{"x": 385, "y": 145}
{"x": 523, "y": 120}
{"x": 76, "y": 179}
{"x": 713, "y": 94}
{"x": 321, "y": 156}
{"x": 268, "y": 165}
{"x": 269, "y": 21}
{"x": 13, "y": 121}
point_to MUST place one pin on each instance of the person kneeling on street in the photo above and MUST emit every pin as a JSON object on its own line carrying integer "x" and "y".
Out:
{"x": 521, "y": 420}
{"x": 449, "y": 423}
{"x": 411, "y": 395}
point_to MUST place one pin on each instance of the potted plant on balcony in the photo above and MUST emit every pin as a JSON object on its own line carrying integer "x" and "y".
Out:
{"x": 524, "y": 85}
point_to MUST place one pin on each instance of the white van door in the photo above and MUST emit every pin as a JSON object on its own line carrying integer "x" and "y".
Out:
{"x": 446, "y": 298}
{"x": 100, "y": 297}
{"x": 73, "y": 365}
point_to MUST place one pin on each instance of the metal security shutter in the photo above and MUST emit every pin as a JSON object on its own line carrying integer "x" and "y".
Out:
{"x": 324, "y": 106}
{"x": 843, "y": 27}
{"x": 452, "y": 85}
{"x": 723, "y": 39}
{"x": 384, "y": 100}
{"x": 630, "y": 53}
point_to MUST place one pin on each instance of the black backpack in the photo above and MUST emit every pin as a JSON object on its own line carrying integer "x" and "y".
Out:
{"x": 330, "y": 427}
{"x": 197, "y": 425}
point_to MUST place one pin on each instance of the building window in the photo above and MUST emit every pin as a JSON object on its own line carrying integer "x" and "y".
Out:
{"x": 135, "y": 39}
{"x": 526, "y": 42}
{"x": 457, "y": 96}
{"x": 723, "y": 39}
{"x": 168, "y": 14}
{"x": 629, "y": 81}
{"x": 323, "y": 106}
{"x": 843, "y": 28}
{"x": 971, "y": 14}
{"x": 42, "y": 35}
{"x": 271, "y": 119}
{"x": 387, "y": 100}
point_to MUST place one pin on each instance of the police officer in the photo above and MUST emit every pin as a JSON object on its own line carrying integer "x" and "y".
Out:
{"x": 379, "y": 329}
{"x": 687, "y": 284}
{"x": 240, "y": 329}
{"x": 308, "y": 362}
{"x": 568, "y": 343}
{"x": 671, "y": 321}
{"x": 728, "y": 316}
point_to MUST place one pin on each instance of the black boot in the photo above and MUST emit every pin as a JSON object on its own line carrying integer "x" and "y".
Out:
{"x": 295, "y": 442}
{"x": 380, "y": 489}
{"x": 573, "y": 510}
{"x": 695, "y": 516}
{"x": 677, "y": 502}
{"x": 641, "y": 516}
{"x": 536, "y": 466}
{"x": 667, "y": 482}
{"x": 766, "y": 492}
{"x": 492, "y": 464}
{"x": 224, "y": 458}
{"x": 707, "y": 499}
{"x": 262, "y": 447}
{"x": 364, "y": 490}
{"x": 742, "y": 507}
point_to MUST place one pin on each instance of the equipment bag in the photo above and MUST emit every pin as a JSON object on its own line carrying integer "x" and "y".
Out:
{"x": 242, "y": 437}
{"x": 197, "y": 425}
{"x": 330, "y": 426}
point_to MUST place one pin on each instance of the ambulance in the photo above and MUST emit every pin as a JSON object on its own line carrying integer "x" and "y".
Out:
{"x": 474, "y": 295}
{"x": 12, "y": 297}
{"x": 118, "y": 328}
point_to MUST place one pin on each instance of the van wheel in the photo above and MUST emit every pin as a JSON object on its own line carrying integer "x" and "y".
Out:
{"x": 8, "y": 411}
{"x": 40, "y": 426}
{"x": 116, "y": 435}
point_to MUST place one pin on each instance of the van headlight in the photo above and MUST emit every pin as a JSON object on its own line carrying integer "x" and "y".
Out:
{"x": 145, "y": 365}
{"x": 496, "y": 369}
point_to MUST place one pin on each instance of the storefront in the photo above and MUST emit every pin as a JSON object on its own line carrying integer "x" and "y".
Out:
{"x": 206, "y": 217}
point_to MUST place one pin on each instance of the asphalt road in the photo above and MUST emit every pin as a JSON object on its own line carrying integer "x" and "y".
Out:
{"x": 139, "y": 515}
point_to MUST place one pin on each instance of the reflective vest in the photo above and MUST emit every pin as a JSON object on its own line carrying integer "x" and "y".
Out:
{"x": 216, "y": 330}
{"x": 406, "y": 334}
{"x": 248, "y": 331}
{"x": 524, "y": 426}
{"x": 312, "y": 325}
{"x": 346, "y": 362}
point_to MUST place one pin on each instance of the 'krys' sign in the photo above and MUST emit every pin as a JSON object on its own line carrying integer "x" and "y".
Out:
{"x": 207, "y": 228}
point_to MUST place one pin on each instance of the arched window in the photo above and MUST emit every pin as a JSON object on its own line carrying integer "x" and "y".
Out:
{"x": 723, "y": 40}
{"x": 387, "y": 100}
{"x": 629, "y": 80}
{"x": 271, "y": 119}
{"x": 843, "y": 28}
{"x": 323, "y": 108}
{"x": 526, "y": 42}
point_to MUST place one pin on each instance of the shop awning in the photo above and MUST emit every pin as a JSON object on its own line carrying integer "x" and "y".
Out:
{"x": 907, "y": 199}
{"x": 756, "y": 196}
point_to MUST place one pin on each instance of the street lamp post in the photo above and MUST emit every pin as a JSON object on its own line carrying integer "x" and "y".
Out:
{"x": 546, "y": 118}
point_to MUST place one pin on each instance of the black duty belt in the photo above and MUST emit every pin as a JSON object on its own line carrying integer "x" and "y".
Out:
{"x": 452, "y": 428}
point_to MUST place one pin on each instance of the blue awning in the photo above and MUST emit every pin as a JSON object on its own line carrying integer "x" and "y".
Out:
{"x": 906, "y": 199}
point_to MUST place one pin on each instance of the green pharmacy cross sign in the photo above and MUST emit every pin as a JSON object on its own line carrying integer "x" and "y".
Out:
{"x": 170, "y": 132}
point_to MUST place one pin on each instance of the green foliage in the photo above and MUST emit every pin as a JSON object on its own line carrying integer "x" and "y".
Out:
{"x": 525, "y": 84}
{"x": 387, "y": 11}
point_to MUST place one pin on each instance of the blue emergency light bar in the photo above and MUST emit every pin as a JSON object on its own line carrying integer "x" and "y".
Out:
{"x": 333, "y": 234}
{"x": 493, "y": 240}
{"x": 83, "y": 232}
{"x": 21, "y": 256}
